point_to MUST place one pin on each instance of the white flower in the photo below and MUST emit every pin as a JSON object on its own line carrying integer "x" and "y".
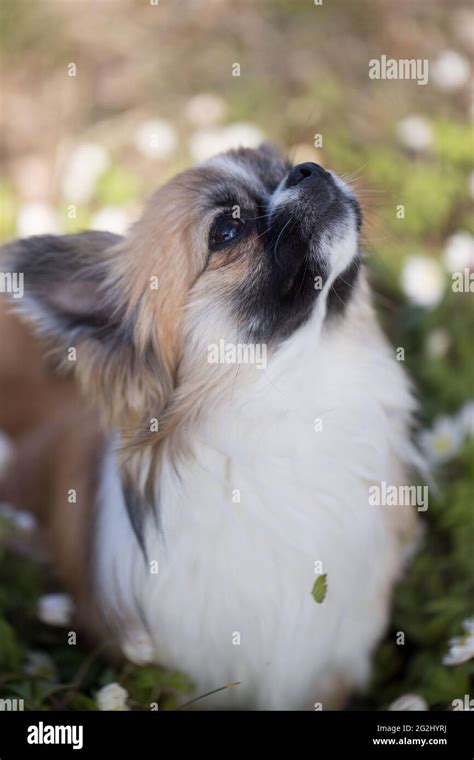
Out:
{"x": 437, "y": 342}
{"x": 205, "y": 143}
{"x": 409, "y": 702}
{"x": 138, "y": 648}
{"x": 466, "y": 418}
{"x": 156, "y": 138}
{"x": 423, "y": 281}
{"x": 461, "y": 648}
{"x": 112, "y": 219}
{"x": 40, "y": 664}
{"x": 55, "y": 609}
{"x": 443, "y": 441}
{"x": 450, "y": 70}
{"x": 205, "y": 110}
{"x": 112, "y": 697}
{"x": 415, "y": 133}
{"x": 459, "y": 252}
{"x": 36, "y": 218}
{"x": 84, "y": 167}
{"x": 24, "y": 522}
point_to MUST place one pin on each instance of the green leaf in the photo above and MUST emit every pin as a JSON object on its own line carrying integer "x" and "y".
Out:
{"x": 320, "y": 588}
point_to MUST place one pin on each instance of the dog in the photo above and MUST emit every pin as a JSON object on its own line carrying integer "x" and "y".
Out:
{"x": 192, "y": 495}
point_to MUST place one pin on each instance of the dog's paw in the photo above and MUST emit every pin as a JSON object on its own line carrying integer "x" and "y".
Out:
{"x": 137, "y": 647}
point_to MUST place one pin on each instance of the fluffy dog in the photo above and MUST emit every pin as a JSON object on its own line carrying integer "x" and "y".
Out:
{"x": 230, "y": 400}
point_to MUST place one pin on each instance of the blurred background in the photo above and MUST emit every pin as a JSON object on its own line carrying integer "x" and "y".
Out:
{"x": 104, "y": 100}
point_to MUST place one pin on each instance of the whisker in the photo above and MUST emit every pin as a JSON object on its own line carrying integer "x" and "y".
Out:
{"x": 275, "y": 250}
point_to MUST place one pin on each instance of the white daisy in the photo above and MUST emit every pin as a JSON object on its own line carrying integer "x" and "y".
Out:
{"x": 415, "y": 133}
{"x": 423, "y": 281}
{"x": 36, "y": 218}
{"x": 85, "y": 165}
{"x": 443, "y": 441}
{"x": 156, "y": 138}
{"x": 409, "y": 702}
{"x": 112, "y": 697}
{"x": 459, "y": 252}
{"x": 461, "y": 648}
{"x": 55, "y": 609}
{"x": 450, "y": 70}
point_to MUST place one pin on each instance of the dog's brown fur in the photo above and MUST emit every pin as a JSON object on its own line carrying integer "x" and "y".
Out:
{"x": 57, "y": 446}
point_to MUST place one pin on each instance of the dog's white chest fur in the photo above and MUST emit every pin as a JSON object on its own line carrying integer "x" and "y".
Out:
{"x": 276, "y": 494}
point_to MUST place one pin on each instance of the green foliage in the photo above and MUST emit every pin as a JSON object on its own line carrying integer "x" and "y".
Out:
{"x": 76, "y": 673}
{"x": 437, "y": 593}
{"x": 454, "y": 143}
{"x": 8, "y": 211}
{"x": 117, "y": 186}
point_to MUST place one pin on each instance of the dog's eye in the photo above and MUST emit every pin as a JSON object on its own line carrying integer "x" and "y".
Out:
{"x": 225, "y": 230}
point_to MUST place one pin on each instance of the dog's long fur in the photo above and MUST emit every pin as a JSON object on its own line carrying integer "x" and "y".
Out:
{"x": 238, "y": 496}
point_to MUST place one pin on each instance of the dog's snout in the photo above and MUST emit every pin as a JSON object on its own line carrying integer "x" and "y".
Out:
{"x": 308, "y": 170}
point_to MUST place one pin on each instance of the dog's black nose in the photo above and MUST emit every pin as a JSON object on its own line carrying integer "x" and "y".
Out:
{"x": 305, "y": 171}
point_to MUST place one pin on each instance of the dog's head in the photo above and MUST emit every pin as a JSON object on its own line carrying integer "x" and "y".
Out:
{"x": 240, "y": 248}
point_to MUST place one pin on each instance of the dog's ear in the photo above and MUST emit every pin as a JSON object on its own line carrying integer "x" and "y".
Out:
{"x": 58, "y": 281}
{"x": 66, "y": 287}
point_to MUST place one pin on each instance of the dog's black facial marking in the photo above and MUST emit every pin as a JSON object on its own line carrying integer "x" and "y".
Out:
{"x": 301, "y": 224}
{"x": 279, "y": 295}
